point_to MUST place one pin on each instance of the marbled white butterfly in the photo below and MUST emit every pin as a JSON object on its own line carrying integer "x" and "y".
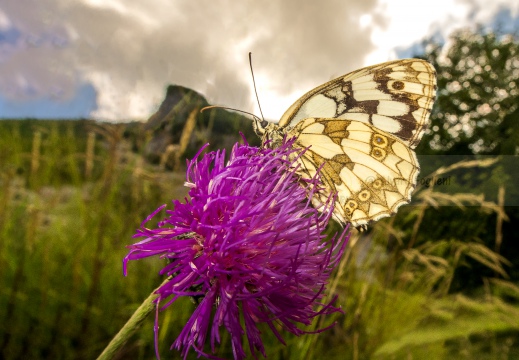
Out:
{"x": 361, "y": 129}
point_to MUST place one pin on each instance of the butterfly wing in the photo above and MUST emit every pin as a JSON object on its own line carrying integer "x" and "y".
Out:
{"x": 372, "y": 172}
{"x": 395, "y": 97}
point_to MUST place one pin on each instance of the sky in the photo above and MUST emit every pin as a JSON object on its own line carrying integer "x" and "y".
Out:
{"x": 112, "y": 60}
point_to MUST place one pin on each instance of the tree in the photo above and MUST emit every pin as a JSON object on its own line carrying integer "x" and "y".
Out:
{"x": 476, "y": 113}
{"x": 477, "y": 106}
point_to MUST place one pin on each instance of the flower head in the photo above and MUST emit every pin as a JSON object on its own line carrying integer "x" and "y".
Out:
{"x": 247, "y": 243}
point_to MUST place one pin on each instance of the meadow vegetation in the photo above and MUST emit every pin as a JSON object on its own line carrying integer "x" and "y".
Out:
{"x": 437, "y": 281}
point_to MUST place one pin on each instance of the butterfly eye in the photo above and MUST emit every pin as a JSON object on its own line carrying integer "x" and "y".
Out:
{"x": 259, "y": 126}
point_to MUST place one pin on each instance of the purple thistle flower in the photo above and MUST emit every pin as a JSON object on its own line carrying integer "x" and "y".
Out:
{"x": 247, "y": 242}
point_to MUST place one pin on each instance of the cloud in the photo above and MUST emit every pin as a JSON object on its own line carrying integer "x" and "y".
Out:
{"x": 411, "y": 21}
{"x": 130, "y": 50}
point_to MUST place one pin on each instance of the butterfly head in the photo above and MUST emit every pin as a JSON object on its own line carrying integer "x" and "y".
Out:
{"x": 271, "y": 134}
{"x": 260, "y": 126}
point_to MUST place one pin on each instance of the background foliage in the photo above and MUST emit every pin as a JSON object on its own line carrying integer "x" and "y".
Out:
{"x": 438, "y": 281}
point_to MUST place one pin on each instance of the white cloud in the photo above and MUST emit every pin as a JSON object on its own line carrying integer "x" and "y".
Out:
{"x": 410, "y": 21}
{"x": 130, "y": 50}
{"x": 4, "y": 21}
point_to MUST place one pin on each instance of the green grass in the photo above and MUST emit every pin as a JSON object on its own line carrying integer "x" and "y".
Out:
{"x": 64, "y": 228}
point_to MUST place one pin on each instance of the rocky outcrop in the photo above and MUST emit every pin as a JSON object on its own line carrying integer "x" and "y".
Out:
{"x": 171, "y": 137}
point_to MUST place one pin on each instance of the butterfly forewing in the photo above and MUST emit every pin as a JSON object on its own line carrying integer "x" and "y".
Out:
{"x": 358, "y": 132}
{"x": 396, "y": 97}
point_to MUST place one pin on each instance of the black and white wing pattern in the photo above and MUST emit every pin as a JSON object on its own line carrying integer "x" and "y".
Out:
{"x": 361, "y": 129}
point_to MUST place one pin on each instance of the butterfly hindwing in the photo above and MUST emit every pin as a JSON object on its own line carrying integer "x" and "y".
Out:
{"x": 396, "y": 97}
{"x": 372, "y": 172}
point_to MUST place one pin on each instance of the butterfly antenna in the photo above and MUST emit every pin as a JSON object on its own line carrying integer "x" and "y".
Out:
{"x": 254, "y": 82}
{"x": 228, "y": 108}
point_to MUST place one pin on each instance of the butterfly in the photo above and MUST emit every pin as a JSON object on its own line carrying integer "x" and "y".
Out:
{"x": 359, "y": 131}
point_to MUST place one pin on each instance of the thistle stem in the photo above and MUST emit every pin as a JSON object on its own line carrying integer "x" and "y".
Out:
{"x": 130, "y": 327}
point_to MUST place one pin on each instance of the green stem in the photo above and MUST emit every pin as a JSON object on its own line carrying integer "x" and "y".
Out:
{"x": 130, "y": 327}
